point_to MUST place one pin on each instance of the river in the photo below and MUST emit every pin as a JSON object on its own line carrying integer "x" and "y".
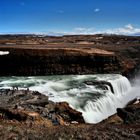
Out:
{"x": 95, "y": 102}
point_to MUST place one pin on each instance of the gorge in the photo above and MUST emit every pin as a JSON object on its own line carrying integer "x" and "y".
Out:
{"x": 96, "y": 102}
{"x": 91, "y": 73}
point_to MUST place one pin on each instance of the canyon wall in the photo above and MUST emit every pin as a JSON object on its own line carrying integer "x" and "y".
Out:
{"x": 75, "y": 54}
{"x": 57, "y": 61}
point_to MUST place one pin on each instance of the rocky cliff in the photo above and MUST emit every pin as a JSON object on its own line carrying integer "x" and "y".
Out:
{"x": 57, "y": 61}
{"x": 81, "y": 54}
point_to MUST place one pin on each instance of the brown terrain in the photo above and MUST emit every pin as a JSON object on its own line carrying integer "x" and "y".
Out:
{"x": 79, "y": 54}
{"x": 28, "y": 114}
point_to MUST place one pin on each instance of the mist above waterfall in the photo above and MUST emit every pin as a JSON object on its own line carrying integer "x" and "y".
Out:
{"x": 135, "y": 90}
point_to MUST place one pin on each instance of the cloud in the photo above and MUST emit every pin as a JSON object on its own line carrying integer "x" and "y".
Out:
{"x": 96, "y": 10}
{"x": 75, "y": 31}
{"x": 83, "y": 30}
{"x": 129, "y": 26}
{"x": 128, "y": 29}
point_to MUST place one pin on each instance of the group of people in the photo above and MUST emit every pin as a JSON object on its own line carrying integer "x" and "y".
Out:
{"x": 17, "y": 88}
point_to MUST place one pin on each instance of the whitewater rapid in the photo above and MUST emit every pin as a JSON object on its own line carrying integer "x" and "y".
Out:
{"x": 94, "y": 102}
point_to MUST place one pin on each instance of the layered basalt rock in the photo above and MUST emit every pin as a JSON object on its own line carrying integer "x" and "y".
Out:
{"x": 75, "y": 54}
{"x": 58, "y": 61}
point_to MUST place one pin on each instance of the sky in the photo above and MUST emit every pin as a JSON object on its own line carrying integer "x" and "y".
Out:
{"x": 70, "y": 16}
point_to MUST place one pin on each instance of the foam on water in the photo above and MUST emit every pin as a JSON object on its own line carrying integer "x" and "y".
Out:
{"x": 95, "y": 103}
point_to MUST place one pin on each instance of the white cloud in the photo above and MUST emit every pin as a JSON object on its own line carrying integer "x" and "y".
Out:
{"x": 96, "y": 10}
{"x": 129, "y": 26}
{"x": 126, "y": 30}
{"x": 75, "y": 31}
{"x": 82, "y": 30}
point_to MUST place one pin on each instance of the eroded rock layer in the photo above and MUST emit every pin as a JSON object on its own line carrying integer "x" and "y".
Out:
{"x": 43, "y": 55}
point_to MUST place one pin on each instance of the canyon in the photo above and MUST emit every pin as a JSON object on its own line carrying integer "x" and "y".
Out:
{"x": 31, "y": 115}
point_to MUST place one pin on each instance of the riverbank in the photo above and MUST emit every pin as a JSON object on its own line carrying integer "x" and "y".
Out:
{"x": 30, "y": 115}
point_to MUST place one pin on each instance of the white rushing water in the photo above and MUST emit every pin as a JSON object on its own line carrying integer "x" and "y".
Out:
{"x": 95, "y": 102}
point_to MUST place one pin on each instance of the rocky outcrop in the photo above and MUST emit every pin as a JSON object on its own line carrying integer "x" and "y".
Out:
{"x": 30, "y": 106}
{"x": 28, "y": 114}
{"x": 57, "y": 61}
{"x": 131, "y": 113}
{"x": 83, "y": 54}
{"x": 66, "y": 112}
{"x": 100, "y": 84}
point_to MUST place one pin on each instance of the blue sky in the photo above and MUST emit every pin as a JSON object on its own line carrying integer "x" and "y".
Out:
{"x": 70, "y": 16}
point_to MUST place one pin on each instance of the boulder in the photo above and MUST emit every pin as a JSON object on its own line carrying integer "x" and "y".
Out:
{"x": 100, "y": 84}
{"x": 131, "y": 113}
{"x": 26, "y": 105}
{"x": 67, "y": 113}
{"x": 42, "y": 101}
{"x": 12, "y": 114}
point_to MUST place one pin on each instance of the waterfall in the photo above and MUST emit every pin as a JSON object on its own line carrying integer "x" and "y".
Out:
{"x": 121, "y": 86}
{"x": 105, "y": 106}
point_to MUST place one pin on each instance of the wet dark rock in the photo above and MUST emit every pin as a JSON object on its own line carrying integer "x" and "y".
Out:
{"x": 131, "y": 113}
{"x": 13, "y": 114}
{"x": 127, "y": 117}
{"x": 100, "y": 84}
{"x": 38, "y": 102}
{"x": 50, "y": 106}
{"x": 21, "y": 105}
{"x": 64, "y": 110}
{"x": 137, "y": 133}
